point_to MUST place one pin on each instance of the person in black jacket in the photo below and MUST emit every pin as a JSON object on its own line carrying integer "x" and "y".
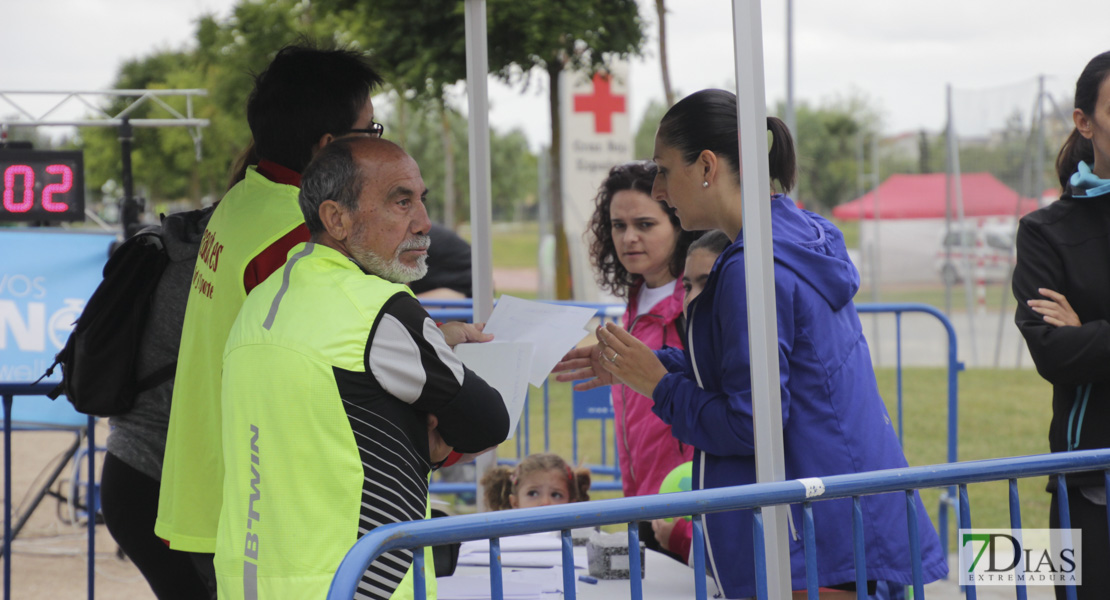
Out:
{"x": 1062, "y": 286}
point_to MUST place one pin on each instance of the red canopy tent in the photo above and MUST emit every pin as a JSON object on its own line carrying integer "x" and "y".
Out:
{"x": 923, "y": 197}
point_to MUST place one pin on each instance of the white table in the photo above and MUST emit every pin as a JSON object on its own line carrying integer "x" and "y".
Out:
{"x": 664, "y": 579}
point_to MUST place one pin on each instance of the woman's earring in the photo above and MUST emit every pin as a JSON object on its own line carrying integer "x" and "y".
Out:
{"x": 705, "y": 184}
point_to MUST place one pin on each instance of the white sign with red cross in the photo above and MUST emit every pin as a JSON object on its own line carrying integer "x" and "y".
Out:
{"x": 596, "y": 136}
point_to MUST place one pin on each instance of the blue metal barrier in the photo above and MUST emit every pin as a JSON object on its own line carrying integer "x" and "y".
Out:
{"x": 949, "y": 497}
{"x": 443, "y": 310}
{"x": 9, "y": 391}
{"x": 596, "y": 405}
{"x": 492, "y": 526}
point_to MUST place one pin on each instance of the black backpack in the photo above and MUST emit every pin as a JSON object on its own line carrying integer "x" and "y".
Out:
{"x": 100, "y": 357}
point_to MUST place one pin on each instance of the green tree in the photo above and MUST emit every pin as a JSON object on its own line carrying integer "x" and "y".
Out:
{"x": 422, "y": 44}
{"x": 420, "y": 49}
{"x": 827, "y": 146}
{"x": 516, "y": 183}
{"x": 644, "y": 144}
{"x": 573, "y": 35}
{"x": 514, "y": 166}
{"x": 159, "y": 165}
{"x": 226, "y": 54}
{"x": 661, "y": 13}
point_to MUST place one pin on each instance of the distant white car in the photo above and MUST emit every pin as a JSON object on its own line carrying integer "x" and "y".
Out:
{"x": 989, "y": 249}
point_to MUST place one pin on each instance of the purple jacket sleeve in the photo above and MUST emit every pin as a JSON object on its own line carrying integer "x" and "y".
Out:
{"x": 720, "y": 421}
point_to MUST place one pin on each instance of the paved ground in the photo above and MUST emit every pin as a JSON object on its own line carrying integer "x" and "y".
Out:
{"x": 49, "y": 556}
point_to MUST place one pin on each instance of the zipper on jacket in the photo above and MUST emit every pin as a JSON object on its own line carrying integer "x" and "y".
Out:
{"x": 677, "y": 333}
{"x": 705, "y": 530}
{"x": 624, "y": 428}
{"x": 624, "y": 402}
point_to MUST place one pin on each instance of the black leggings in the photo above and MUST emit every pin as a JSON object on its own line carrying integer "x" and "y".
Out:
{"x": 129, "y": 502}
{"x": 1091, "y": 519}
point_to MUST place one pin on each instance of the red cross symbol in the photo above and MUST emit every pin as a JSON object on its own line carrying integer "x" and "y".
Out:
{"x": 601, "y": 103}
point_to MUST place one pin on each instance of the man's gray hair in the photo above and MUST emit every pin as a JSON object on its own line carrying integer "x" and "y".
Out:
{"x": 333, "y": 174}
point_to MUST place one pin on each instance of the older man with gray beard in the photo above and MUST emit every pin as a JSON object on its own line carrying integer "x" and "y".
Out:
{"x": 340, "y": 394}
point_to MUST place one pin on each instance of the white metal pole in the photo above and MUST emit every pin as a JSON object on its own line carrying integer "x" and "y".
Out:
{"x": 747, "y": 31}
{"x": 876, "y": 248}
{"x": 477, "y": 71}
{"x": 956, "y": 189}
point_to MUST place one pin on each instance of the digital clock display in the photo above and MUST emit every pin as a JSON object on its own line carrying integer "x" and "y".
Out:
{"x": 42, "y": 185}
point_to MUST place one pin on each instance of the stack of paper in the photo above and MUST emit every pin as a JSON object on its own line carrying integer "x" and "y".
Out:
{"x": 522, "y": 552}
{"x": 529, "y": 339}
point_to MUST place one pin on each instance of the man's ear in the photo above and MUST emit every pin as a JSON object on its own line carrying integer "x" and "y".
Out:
{"x": 324, "y": 140}
{"x": 335, "y": 219}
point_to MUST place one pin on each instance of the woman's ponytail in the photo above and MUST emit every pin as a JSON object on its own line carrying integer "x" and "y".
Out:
{"x": 780, "y": 156}
{"x": 1076, "y": 148}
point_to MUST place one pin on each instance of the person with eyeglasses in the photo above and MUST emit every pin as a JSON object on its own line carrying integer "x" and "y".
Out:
{"x": 340, "y": 394}
{"x": 638, "y": 248}
{"x": 300, "y": 103}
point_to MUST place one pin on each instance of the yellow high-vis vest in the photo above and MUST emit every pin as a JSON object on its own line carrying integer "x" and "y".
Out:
{"x": 316, "y": 453}
{"x": 254, "y": 214}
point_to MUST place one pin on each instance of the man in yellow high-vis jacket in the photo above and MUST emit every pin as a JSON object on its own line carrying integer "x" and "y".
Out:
{"x": 303, "y": 99}
{"x": 340, "y": 393}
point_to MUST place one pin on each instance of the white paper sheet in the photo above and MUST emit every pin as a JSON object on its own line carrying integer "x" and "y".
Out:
{"x": 505, "y": 367}
{"x": 553, "y": 329}
{"x": 533, "y": 542}
{"x": 525, "y": 560}
{"x": 521, "y": 560}
{"x": 476, "y": 587}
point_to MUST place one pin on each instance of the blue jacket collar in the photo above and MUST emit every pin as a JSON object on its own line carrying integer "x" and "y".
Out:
{"x": 1085, "y": 184}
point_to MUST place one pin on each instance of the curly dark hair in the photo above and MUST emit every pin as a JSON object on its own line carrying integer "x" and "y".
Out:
{"x": 611, "y": 274}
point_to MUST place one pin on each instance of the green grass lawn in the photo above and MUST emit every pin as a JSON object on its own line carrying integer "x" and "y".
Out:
{"x": 1002, "y": 413}
{"x": 514, "y": 245}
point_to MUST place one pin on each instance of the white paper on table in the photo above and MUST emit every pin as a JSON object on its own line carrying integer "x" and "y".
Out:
{"x": 554, "y": 329}
{"x": 524, "y": 560}
{"x": 505, "y": 367}
{"x": 477, "y": 587}
{"x": 532, "y": 542}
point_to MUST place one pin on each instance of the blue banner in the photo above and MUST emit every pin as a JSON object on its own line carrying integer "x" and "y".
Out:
{"x": 46, "y": 277}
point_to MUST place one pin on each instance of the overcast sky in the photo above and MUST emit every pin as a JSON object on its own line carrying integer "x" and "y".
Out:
{"x": 899, "y": 55}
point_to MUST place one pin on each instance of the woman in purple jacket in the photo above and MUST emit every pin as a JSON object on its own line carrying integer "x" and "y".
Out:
{"x": 834, "y": 421}
{"x": 639, "y": 249}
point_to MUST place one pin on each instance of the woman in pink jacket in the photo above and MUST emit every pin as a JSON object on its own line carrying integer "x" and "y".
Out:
{"x": 639, "y": 249}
